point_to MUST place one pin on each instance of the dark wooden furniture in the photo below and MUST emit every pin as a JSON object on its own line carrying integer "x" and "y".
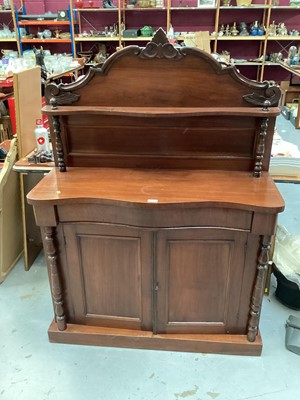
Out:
{"x": 158, "y": 217}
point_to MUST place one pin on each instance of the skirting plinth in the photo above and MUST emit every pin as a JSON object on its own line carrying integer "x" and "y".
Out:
{"x": 200, "y": 343}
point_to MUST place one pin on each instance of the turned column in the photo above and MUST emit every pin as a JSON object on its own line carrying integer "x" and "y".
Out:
{"x": 55, "y": 284}
{"x": 259, "y": 287}
{"x": 260, "y": 148}
{"x": 58, "y": 144}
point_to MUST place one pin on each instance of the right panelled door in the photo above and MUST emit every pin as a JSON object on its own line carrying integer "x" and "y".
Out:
{"x": 198, "y": 280}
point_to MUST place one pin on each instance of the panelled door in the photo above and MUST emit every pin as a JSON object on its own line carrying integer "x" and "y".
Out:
{"x": 189, "y": 283}
{"x": 198, "y": 280}
{"x": 110, "y": 275}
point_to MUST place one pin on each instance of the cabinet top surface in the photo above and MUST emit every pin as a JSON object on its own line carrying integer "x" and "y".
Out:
{"x": 157, "y": 188}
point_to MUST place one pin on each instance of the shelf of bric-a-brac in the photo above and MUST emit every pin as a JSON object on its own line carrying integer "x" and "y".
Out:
{"x": 9, "y": 38}
{"x": 113, "y": 21}
{"x": 59, "y": 34}
{"x": 92, "y": 21}
{"x": 251, "y": 54}
{"x": 43, "y": 25}
{"x": 290, "y": 16}
{"x": 244, "y": 50}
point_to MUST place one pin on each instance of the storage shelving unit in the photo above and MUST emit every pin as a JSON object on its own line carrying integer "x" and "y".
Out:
{"x": 249, "y": 48}
{"x": 88, "y": 21}
{"x": 34, "y": 25}
{"x": 8, "y": 17}
{"x": 185, "y": 16}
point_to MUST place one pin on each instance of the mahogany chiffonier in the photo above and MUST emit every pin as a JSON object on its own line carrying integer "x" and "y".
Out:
{"x": 158, "y": 216}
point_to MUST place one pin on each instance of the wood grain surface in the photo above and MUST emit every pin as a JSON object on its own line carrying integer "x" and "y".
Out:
{"x": 151, "y": 188}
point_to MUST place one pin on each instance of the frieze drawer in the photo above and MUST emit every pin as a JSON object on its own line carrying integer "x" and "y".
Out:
{"x": 151, "y": 217}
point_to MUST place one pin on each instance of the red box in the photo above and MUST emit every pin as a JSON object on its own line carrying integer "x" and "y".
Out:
{"x": 12, "y": 113}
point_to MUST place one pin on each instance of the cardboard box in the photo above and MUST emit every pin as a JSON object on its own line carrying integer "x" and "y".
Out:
{"x": 200, "y": 39}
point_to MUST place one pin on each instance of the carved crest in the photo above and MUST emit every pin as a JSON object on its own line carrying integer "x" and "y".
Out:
{"x": 160, "y": 47}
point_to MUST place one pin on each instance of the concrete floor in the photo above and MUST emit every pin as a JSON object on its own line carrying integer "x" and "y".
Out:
{"x": 33, "y": 369}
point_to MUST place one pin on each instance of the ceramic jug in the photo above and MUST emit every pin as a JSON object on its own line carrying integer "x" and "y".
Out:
{"x": 78, "y": 3}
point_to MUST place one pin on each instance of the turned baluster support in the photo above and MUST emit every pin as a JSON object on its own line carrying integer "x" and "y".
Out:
{"x": 260, "y": 148}
{"x": 56, "y": 289}
{"x": 58, "y": 144}
{"x": 259, "y": 287}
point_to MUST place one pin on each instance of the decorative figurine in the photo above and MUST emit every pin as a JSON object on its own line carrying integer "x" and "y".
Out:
{"x": 221, "y": 31}
{"x": 281, "y": 29}
{"x": 108, "y": 4}
{"x": 275, "y": 57}
{"x": 292, "y": 52}
{"x": 261, "y": 30}
{"x": 6, "y": 4}
{"x": 57, "y": 33}
{"x": 254, "y": 28}
{"x": 243, "y": 29}
{"x": 273, "y": 29}
{"x": 227, "y": 31}
{"x": 293, "y": 56}
{"x": 234, "y": 31}
{"x": 101, "y": 56}
{"x": 225, "y": 56}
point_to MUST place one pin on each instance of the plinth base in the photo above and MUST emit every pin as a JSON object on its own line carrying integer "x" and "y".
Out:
{"x": 200, "y": 343}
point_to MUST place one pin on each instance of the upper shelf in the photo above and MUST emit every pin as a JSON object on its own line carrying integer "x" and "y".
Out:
{"x": 94, "y": 9}
{"x": 286, "y": 37}
{"x": 8, "y": 39}
{"x": 96, "y": 38}
{"x": 43, "y": 22}
{"x": 250, "y": 37}
{"x": 54, "y": 40}
{"x": 285, "y": 7}
{"x": 163, "y": 111}
{"x": 252, "y": 7}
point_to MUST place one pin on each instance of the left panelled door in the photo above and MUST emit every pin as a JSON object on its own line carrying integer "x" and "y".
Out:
{"x": 109, "y": 275}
